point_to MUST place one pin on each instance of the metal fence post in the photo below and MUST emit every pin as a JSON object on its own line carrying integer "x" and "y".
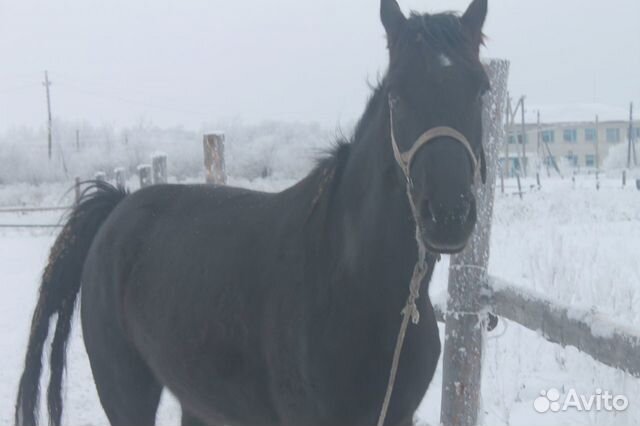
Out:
{"x": 467, "y": 277}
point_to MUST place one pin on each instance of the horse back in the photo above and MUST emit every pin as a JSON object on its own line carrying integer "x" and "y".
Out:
{"x": 189, "y": 271}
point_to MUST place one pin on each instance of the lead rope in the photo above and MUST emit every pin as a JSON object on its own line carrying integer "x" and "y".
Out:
{"x": 420, "y": 270}
{"x": 410, "y": 310}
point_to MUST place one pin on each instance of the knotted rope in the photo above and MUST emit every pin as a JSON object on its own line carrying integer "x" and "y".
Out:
{"x": 410, "y": 310}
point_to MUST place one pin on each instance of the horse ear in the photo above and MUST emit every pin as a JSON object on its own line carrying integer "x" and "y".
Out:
{"x": 474, "y": 18}
{"x": 483, "y": 166}
{"x": 392, "y": 18}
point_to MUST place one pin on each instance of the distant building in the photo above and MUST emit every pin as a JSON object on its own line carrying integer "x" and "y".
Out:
{"x": 571, "y": 135}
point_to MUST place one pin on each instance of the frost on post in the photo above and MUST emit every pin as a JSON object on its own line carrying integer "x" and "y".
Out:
{"x": 214, "y": 164}
{"x": 462, "y": 354}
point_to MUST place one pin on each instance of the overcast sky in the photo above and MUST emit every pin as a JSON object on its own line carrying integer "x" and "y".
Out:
{"x": 195, "y": 61}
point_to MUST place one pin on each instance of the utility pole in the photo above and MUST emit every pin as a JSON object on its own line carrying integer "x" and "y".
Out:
{"x": 597, "y": 144}
{"x": 77, "y": 140}
{"x": 509, "y": 133}
{"x": 550, "y": 158}
{"x": 539, "y": 144}
{"x": 47, "y": 84}
{"x": 631, "y": 151}
{"x": 524, "y": 139}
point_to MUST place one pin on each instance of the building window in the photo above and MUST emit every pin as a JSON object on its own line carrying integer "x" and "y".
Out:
{"x": 637, "y": 132}
{"x": 570, "y": 135}
{"x": 526, "y": 138}
{"x": 512, "y": 139}
{"x": 590, "y": 135}
{"x": 590, "y": 160}
{"x": 613, "y": 135}
{"x": 572, "y": 159}
{"x": 549, "y": 136}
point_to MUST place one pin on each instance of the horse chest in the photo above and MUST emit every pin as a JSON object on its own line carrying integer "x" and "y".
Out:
{"x": 336, "y": 371}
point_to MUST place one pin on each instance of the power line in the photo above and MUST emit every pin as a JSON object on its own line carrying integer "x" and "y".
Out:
{"x": 96, "y": 94}
{"x": 18, "y": 88}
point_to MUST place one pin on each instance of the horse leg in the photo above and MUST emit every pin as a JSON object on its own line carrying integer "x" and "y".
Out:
{"x": 128, "y": 392}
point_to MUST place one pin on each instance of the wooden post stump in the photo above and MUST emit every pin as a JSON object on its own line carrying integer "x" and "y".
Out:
{"x": 144, "y": 172}
{"x": 121, "y": 176}
{"x": 214, "y": 162}
{"x": 78, "y": 190}
{"x": 159, "y": 162}
{"x": 100, "y": 176}
{"x": 468, "y": 276}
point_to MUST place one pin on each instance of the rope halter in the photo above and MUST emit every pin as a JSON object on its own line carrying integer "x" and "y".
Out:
{"x": 405, "y": 159}
{"x": 410, "y": 311}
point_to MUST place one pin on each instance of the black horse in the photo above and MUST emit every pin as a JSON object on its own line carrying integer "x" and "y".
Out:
{"x": 259, "y": 309}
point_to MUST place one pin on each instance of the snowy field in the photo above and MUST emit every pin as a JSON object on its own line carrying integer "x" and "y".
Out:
{"x": 576, "y": 245}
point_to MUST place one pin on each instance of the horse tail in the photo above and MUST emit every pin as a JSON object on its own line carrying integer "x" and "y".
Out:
{"x": 58, "y": 292}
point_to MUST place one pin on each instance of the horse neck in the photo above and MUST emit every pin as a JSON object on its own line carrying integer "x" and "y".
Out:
{"x": 375, "y": 226}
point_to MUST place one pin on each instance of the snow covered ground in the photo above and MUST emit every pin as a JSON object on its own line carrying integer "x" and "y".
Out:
{"x": 572, "y": 243}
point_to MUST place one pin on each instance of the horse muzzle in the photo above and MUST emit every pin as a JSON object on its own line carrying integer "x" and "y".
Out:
{"x": 447, "y": 229}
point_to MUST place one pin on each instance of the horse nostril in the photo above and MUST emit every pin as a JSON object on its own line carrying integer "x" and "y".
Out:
{"x": 446, "y": 214}
{"x": 427, "y": 212}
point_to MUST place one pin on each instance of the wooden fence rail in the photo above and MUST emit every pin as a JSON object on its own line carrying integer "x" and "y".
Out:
{"x": 148, "y": 174}
{"x": 472, "y": 295}
{"x": 33, "y": 209}
{"x": 31, "y": 225}
{"x": 589, "y": 331}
